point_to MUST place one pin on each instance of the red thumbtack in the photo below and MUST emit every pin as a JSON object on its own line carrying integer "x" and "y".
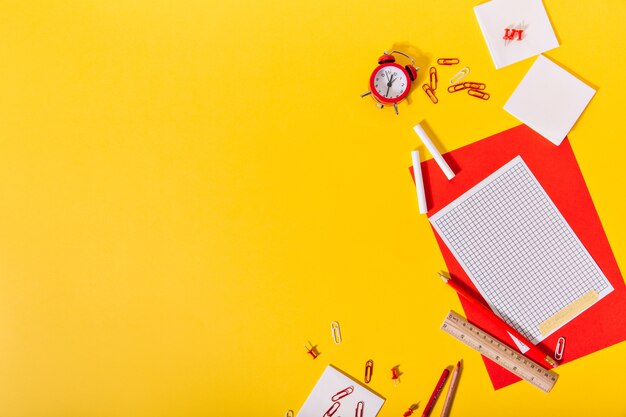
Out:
{"x": 312, "y": 350}
{"x": 395, "y": 374}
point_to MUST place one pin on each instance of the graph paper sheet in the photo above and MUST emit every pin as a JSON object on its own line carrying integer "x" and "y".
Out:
{"x": 520, "y": 252}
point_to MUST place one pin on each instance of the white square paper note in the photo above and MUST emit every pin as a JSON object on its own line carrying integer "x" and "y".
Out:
{"x": 337, "y": 394}
{"x": 549, "y": 100}
{"x": 515, "y": 29}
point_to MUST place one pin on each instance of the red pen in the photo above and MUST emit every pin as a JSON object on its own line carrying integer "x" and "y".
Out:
{"x": 535, "y": 352}
{"x": 436, "y": 392}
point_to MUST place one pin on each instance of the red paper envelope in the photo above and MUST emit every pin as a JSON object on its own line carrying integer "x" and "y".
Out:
{"x": 555, "y": 167}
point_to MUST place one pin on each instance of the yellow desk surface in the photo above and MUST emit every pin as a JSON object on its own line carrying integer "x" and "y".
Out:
{"x": 192, "y": 190}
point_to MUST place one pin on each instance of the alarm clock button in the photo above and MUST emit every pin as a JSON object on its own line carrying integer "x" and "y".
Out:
{"x": 386, "y": 58}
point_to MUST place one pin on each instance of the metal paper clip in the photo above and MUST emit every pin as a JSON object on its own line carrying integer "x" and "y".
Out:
{"x": 448, "y": 61}
{"x": 474, "y": 86}
{"x": 343, "y": 393}
{"x": 459, "y": 75}
{"x": 311, "y": 350}
{"x": 332, "y": 410}
{"x": 559, "y": 349}
{"x": 358, "y": 412}
{"x": 456, "y": 87}
{"x": 430, "y": 93}
{"x": 480, "y": 94}
{"x": 433, "y": 78}
{"x": 336, "y": 332}
{"x": 369, "y": 371}
{"x": 289, "y": 413}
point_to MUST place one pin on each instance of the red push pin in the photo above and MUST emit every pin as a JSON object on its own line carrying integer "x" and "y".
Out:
{"x": 395, "y": 374}
{"x": 312, "y": 350}
{"x": 410, "y": 410}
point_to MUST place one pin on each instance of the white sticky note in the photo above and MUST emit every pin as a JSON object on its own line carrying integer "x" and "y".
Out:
{"x": 549, "y": 100}
{"x": 527, "y": 16}
{"x": 331, "y": 384}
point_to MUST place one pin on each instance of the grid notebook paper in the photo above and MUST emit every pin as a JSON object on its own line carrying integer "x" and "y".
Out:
{"x": 520, "y": 252}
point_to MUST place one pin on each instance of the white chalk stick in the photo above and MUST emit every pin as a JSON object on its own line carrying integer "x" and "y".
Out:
{"x": 433, "y": 151}
{"x": 419, "y": 182}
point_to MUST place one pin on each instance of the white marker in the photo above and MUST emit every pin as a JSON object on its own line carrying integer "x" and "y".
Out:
{"x": 419, "y": 182}
{"x": 433, "y": 151}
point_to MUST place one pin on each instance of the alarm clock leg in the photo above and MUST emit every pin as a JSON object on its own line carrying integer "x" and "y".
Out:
{"x": 366, "y": 94}
{"x": 395, "y": 107}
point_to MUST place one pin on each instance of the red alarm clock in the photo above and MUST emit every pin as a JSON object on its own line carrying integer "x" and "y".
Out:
{"x": 390, "y": 82}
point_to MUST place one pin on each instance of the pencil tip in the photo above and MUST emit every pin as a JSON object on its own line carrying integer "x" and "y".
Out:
{"x": 443, "y": 277}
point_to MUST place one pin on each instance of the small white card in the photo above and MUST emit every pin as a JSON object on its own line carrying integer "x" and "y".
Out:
{"x": 549, "y": 100}
{"x": 515, "y": 29}
{"x": 339, "y": 395}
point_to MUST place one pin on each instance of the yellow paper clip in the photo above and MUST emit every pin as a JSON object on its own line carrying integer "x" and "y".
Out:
{"x": 459, "y": 75}
{"x": 480, "y": 94}
{"x": 430, "y": 93}
{"x": 456, "y": 87}
{"x": 369, "y": 371}
{"x": 289, "y": 413}
{"x": 448, "y": 61}
{"x": 475, "y": 86}
{"x": 433, "y": 78}
{"x": 336, "y": 332}
{"x": 359, "y": 409}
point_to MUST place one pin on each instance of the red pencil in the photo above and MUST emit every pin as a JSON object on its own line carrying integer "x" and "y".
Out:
{"x": 436, "y": 392}
{"x": 534, "y": 352}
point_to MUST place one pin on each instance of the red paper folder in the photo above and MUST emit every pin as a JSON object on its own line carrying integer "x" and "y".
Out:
{"x": 555, "y": 167}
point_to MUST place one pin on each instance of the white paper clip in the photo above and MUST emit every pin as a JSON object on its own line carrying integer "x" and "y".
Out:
{"x": 336, "y": 332}
{"x": 459, "y": 75}
{"x": 559, "y": 349}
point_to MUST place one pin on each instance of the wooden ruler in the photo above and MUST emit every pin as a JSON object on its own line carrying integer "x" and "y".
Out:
{"x": 500, "y": 353}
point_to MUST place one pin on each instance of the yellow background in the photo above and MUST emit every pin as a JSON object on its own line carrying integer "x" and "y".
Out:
{"x": 190, "y": 191}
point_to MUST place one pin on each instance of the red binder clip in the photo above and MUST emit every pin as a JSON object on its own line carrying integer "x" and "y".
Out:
{"x": 395, "y": 374}
{"x": 369, "y": 371}
{"x": 312, "y": 350}
{"x": 343, "y": 393}
{"x": 332, "y": 410}
{"x": 456, "y": 87}
{"x": 430, "y": 93}
{"x": 448, "y": 61}
{"x": 433, "y": 78}
{"x": 358, "y": 412}
{"x": 480, "y": 94}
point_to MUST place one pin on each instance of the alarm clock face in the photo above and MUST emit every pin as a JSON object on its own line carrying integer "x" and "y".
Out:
{"x": 390, "y": 83}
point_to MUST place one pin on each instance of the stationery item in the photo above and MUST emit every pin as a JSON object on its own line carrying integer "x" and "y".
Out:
{"x": 492, "y": 348}
{"x": 528, "y": 18}
{"x": 557, "y": 171}
{"x": 480, "y": 94}
{"x": 332, "y": 409}
{"x": 335, "y": 332}
{"x": 520, "y": 253}
{"x": 369, "y": 371}
{"x": 312, "y": 350}
{"x": 560, "y": 348}
{"x": 419, "y": 183}
{"x": 433, "y": 151}
{"x": 289, "y": 413}
{"x": 456, "y": 78}
{"x": 448, "y": 61}
{"x": 457, "y": 87}
{"x": 430, "y": 93}
{"x": 395, "y": 374}
{"x": 536, "y": 352}
{"x": 451, "y": 390}
{"x": 410, "y": 411}
{"x": 549, "y": 100}
{"x": 474, "y": 85}
{"x": 334, "y": 384}
{"x": 358, "y": 412}
{"x": 433, "y": 78}
{"x": 436, "y": 392}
